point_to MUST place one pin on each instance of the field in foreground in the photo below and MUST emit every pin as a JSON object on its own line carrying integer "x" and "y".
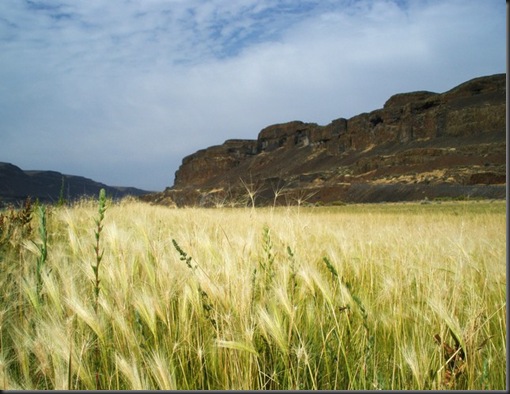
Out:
{"x": 388, "y": 296}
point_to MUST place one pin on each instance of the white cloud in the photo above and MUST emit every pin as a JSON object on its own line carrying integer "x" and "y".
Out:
{"x": 121, "y": 91}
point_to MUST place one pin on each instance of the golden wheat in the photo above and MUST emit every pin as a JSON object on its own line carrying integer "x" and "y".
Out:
{"x": 350, "y": 297}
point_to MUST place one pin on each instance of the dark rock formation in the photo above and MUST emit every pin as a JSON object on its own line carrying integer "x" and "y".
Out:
{"x": 213, "y": 161}
{"x": 46, "y": 186}
{"x": 420, "y": 144}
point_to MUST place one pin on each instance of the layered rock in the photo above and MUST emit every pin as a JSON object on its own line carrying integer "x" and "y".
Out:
{"x": 214, "y": 161}
{"x": 420, "y": 144}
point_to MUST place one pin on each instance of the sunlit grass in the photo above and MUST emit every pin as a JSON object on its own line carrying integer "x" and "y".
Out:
{"x": 347, "y": 297}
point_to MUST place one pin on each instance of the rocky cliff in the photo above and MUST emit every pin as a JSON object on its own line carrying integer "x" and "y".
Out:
{"x": 420, "y": 144}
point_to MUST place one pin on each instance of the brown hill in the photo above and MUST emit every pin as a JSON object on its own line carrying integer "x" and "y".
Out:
{"x": 419, "y": 145}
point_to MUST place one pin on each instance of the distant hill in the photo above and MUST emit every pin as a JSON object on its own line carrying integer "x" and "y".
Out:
{"x": 419, "y": 145}
{"x": 46, "y": 186}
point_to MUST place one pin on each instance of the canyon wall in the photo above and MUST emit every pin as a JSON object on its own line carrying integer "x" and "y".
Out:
{"x": 419, "y": 145}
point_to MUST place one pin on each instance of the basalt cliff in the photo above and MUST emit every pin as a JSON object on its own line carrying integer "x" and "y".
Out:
{"x": 420, "y": 145}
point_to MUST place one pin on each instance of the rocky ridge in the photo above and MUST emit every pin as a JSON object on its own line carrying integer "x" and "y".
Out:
{"x": 419, "y": 145}
{"x": 46, "y": 186}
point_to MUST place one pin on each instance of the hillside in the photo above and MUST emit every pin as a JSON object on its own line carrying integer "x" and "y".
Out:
{"x": 419, "y": 145}
{"x": 16, "y": 185}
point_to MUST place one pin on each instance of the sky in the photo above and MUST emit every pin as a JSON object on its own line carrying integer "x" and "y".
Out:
{"x": 120, "y": 91}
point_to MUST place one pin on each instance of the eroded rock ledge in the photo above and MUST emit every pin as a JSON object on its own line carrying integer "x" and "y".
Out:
{"x": 420, "y": 144}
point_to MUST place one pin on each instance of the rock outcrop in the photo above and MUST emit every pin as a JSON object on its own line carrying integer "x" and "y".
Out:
{"x": 420, "y": 144}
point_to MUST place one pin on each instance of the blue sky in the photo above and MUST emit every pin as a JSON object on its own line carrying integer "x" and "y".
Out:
{"x": 121, "y": 90}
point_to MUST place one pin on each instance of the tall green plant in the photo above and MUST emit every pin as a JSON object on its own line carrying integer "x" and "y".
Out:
{"x": 99, "y": 256}
{"x": 99, "y": 253}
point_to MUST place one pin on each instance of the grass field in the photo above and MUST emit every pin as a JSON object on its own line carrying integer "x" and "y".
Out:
{"x": 132, "y": 296}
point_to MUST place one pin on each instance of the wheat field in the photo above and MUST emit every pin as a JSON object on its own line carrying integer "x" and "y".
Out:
{"x": 359, "y": 297}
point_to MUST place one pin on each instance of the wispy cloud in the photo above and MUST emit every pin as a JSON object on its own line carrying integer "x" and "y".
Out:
{"x": 120, "y": 91}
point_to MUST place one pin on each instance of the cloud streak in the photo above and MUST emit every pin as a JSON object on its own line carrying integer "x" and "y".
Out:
{"x": 120, "y": 91}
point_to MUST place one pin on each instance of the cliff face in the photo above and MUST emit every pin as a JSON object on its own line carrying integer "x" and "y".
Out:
{"x": 420, "y": 144}
{"x": 206, "y": 164}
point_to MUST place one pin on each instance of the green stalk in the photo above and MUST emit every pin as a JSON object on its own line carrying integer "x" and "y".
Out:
{"x": 95, "y": 268}
{"x": 99, "y": 253}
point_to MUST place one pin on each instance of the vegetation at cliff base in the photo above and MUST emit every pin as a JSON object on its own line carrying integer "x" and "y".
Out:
{"x": 126, "y": 295}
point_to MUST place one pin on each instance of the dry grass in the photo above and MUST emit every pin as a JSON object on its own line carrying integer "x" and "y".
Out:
{"x": 349, "y": 297}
